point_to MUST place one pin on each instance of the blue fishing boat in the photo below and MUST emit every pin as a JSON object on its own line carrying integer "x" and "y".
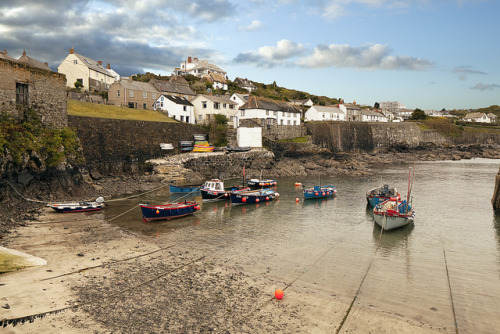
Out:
{"x": 253, "y": 196}
{"x": 168, "y": 211}
{"x": 214, "y": 190}
{"x": 378, "y": 195}
{"x": 319, "y": 192}
{"x": 259, "y": 183}
{"x": 184, "y": 189}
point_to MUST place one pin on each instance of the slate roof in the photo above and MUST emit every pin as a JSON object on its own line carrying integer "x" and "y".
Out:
{"x": 369, "y": 112}
{"x": 4, "y": 55}
{"x": 219, "y": 99}
{"x": 267, "y": 104}
{"x": 176, "y": 86}
{"x": 330, "y": 109}
{"x": 33, "y": 62}
{"x": 178, "y": 100}
{"x": 137, "y": 85}
{"x": 352, "y": 106}
{"x": 92, "y": 64}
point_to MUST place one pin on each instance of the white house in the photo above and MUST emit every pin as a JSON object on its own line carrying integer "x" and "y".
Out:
{"x": 305, "y": 102}
{"x": 322, "y": 113}
{"x": 245, "y": 84}
{"x": 177, "y": 107}
{"x": 207, "y": 106}
{"x": 217, "y": 80}
{"x": 269, "y": 112}
{"x": 91, "y": 74}
{"x": 368, "y": 115}
{"x": 477, "y": 117}
{"x": 351, "y": 111}
{"x": 240, "y": 99}
{"x": 197, "y": 68}
{"x": 391, "y": 106}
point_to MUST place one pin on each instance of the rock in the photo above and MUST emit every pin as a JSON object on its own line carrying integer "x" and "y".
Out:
{"x": 95, "y": 175}
{"x": 24, "y": 178}
{"x": 6, "y": 306}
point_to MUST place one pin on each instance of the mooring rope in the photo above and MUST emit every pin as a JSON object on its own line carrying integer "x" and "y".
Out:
{"x": 451, "y": 294}
{"x": 32, "y": 317}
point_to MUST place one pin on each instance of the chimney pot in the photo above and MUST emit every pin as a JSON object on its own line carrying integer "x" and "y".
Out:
{"x": 46, "y": 64}
{"x": 189, "y": 59}
{"x": 5, "y": 51}
{"x": 99, "y": 62}
{"x": 72, "y": 50}
{"x": 24, "y": 53}
{"x": 108, "y": 66}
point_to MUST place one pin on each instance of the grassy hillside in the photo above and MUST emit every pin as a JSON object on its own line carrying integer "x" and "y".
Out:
{"x": 87, "y": 109}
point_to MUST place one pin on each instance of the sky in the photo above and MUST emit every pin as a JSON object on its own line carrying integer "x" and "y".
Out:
{"x": 427, "y": 54}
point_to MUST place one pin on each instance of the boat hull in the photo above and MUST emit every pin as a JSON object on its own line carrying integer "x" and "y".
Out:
{"x": 168, "y": 211}
{"x": 319, "y": 192}
{"x": 393, "y": 214}
{"x": 209, "y": 195}
{"x": 252, "y": 197}
{"x": 76, "y": 207}
{"x": 255, "y": 183}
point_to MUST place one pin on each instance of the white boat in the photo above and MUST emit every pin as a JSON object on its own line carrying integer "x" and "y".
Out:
{"x": 393, "y": 213}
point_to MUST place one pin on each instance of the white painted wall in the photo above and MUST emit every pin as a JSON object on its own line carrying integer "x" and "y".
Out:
{"x": 249, "y": 137}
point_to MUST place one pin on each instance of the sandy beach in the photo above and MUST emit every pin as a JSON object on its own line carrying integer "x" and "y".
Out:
{"x": 101, "y": 279}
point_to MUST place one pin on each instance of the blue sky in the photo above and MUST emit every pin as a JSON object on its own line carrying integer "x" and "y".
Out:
{"x": 427, "y": 54}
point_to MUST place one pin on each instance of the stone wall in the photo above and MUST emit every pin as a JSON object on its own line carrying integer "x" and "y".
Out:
{"x": 368, "y": 137}
{"x": 116, "y": 146}
{"x": 46, "y": 89}
{"x": 496, "y": 195}
{"x": 279, "y": 132}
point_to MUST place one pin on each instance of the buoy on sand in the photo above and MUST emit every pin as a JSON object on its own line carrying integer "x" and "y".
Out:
{"x": 278, "y": 294}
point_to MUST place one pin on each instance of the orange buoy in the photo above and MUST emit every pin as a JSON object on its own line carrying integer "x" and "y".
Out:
{"x": 297, "y": 200}
{"x": 244, "y": 199}
{"x": 278, "y": 294}
{"x": 315, "y": 194}
{"x": 157, "y": 211}
{"x": 256, "y": 200}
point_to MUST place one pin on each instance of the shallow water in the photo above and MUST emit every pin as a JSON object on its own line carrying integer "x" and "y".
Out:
{"x": 441, "y": 270}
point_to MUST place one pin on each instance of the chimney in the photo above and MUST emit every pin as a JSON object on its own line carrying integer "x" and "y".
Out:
{"x": 46, "y": 64}
{"x": 189, "y": 59}
{"x": 99, "y": 62}
{"x": 72, "y": 50}
{"x": 5, "y": 51}
{"x": 24, "y": 53}
{"x": 108, "y": 66}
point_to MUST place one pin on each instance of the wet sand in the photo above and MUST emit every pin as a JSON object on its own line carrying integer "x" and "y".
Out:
{"x": 117, "y": 282}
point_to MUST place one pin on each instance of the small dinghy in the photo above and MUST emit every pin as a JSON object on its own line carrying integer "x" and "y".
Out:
{"x": 83, "y": 206}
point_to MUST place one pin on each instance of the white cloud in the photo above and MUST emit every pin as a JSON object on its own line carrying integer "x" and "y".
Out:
{"x": 371, "y": 56}
{"x": 253, "y": 26}
{"x": 481, "y": 86}
{"x": 269, "y": 56}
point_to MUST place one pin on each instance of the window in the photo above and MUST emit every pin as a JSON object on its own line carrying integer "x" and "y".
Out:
{"x": 182, "y": 118}
{"x": 184, "y": 108}
{"x": 294, "y": 122}
{"x": 224, "y": 106}
{"x": 200, "y": 117}
{"x": 275, "y": 113}
{"x": 80, "y": 81}
{"x": 231, "y": 106}
{"x": 204, "y": 104}
{"x": 144, "y": 95}
{"x": 145, "y": 106}
{"x": 22, "y": 93}
{"x": 153, "y": 96}
{"x": 162, "y": 98}
{"x": 131, "y": 93}
{"x": 281, "y": 122}
{"x": 75, "y": 61}
{"x": 267, "y": 112}
{"x": 216, "y": 105}
{"x": 118, "y": 93}
{"x": 243, "y": 112}
{"x": 288, "y": 122}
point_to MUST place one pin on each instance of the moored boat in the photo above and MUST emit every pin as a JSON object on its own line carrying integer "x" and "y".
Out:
{"x": 378, "y": 195}
{"x": 168, "y": 211}
{"x": 259, "y": 183}
{"x": 184, "y": 189}
{"x": 82, "y": 206}
{"x": 319, "y": 192}
{"x": 253, "y": 196}
{"x": 393, "y": 213}
{"x": 213, "y": 190}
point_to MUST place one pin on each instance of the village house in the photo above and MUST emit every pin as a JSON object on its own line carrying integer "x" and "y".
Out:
{"x": 175, "y": 86}
{"x": 133, "y": 94}
{"x": 493, "y": 118}
{"x": 304, "y": 102}
{"x": 176, "y": 107}
{"x": 240, "y": 99}
{"x": 245, "y": 84}
{"x": 391, "y": 106}
{"x": 351, "y": 110}
{"x": 217, "y": 80}
{"x": 324, "y": 113}
{"x": 269, "y": 112}
{"x": 89, "y": 73}
{"x": 197, "y": 68}
{"x": 207, "y": 106}
{"x": 477, "y": 117}
{"x": 29, "y": 83}
{"x": 368, "y": 115}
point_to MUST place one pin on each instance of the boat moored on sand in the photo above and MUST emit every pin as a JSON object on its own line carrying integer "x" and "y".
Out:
{"x": 168, "y": 211}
